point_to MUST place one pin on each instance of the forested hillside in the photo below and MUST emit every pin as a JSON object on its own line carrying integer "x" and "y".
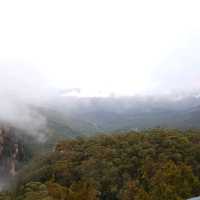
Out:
{"x": 157, "y": 164}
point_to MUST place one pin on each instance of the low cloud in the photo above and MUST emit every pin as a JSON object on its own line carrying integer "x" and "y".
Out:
{"x": 22, "y": 90}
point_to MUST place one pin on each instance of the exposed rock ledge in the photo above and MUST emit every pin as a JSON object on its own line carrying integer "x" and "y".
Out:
{"x": 11, "y": 151}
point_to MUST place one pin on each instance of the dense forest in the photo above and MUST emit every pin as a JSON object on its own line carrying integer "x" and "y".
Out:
{"x": 156, "y": 164}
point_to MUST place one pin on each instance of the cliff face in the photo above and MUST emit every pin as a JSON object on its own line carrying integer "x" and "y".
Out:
{"x": 11, "y": 152}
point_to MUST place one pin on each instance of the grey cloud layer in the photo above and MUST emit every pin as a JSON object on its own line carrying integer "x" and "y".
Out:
{"x": 20, "y": 90}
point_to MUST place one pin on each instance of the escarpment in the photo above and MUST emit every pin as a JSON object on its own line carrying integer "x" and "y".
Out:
{"x": 11, "y": 152}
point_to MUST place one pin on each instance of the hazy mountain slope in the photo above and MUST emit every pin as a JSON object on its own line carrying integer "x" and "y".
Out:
{"x": 57, "y": 123}
{"x": 92, "y": 115}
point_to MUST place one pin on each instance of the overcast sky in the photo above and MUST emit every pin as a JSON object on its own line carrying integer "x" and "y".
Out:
{"x": 125, "y": 47}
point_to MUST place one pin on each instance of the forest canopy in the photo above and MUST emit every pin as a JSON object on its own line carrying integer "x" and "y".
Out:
{"x": 156, "y": 164}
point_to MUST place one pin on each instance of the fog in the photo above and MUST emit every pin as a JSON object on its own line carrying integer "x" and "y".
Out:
{"x": 25, "y": 88}
{"x": 21, "y": 90}
{"x": 102, "y": 49}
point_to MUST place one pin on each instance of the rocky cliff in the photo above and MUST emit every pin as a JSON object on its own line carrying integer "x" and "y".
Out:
{"x": 11, "y": 151}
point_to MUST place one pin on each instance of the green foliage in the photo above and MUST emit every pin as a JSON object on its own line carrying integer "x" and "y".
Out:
{"x": 5, "y": 196}
{"x": 154, "y": 165}
{"x": 34, "y": 190}
{"x": 174, "y": 182}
